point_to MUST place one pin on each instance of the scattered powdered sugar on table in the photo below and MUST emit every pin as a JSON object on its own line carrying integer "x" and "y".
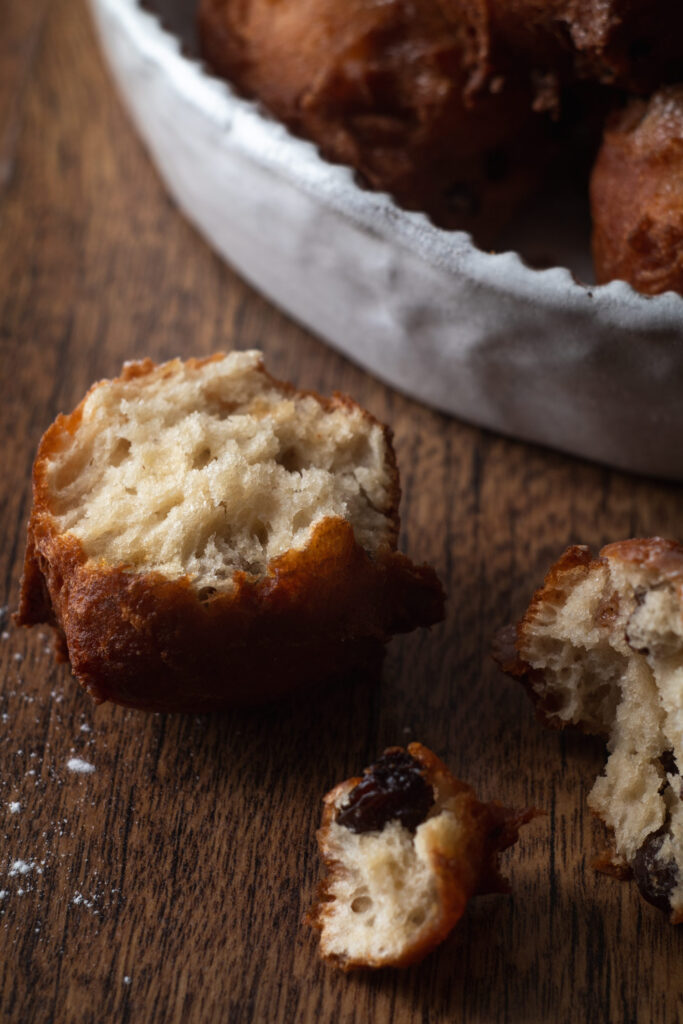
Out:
{"x": 98, "y": 898}
{"x": 79, "y": 899}
{"x": 77, "y": 764}
{"x": 22, "y": 867}
{"x": 27, "y": 793}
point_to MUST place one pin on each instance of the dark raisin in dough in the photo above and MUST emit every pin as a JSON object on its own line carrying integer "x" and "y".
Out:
{"x": 668, "y": 762}
{"x": 393, "y": 789}
{"x": 656, "y": 879}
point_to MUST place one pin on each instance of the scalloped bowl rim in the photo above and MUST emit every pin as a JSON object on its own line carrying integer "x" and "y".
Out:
{"x": 453, "y": 251}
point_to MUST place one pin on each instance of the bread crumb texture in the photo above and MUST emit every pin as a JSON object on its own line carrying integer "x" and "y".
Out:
{"x": 601, "y": 647}
{"x": 387, "y": 896}
{"x": 203, "y": 535}
{"x": 202, "y": 469}
{"x": 392, "y": 894}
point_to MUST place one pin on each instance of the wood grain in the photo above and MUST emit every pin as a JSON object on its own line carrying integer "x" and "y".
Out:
{"x": 168, "y": 885}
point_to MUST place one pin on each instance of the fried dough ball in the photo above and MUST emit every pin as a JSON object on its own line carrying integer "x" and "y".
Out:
{"x": 441, "y": 103}
{"x": 634, "y": 44}
{"x": 400, "y": 91}
{"x": 405, "y": 848}
{"x": 637, "y": 196}
{"x": 203, "y": 535}
{"x": 601, "y": 648}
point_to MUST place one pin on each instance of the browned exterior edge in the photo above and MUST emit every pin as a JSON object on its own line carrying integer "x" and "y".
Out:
{"x": 142, "y": 640}
{"x": 492, "y": 828}
{"x": 654, "y": 554}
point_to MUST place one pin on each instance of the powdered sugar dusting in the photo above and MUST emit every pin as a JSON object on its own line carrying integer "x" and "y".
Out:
{"x": 77, "y": 764}
{"x": 23, "y": 867}
{"x": 48, "y": 797}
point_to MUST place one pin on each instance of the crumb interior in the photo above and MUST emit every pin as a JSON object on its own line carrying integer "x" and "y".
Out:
{"x": 200, "y": 471}
{"x": 581, "y": 667}
{"x": 383, "y": 896}
{"x": 609, "y": 651}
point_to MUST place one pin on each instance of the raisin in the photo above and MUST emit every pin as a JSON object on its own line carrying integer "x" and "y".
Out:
{"x": 393, "y": 789}
{"x": 668, "y": 762}
{"x": 656, "y": 878}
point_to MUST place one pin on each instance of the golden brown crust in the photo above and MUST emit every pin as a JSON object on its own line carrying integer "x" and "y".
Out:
{"x": 438, "y": 102}
{"x": 140, "y": 639}
{"x": 634, "y": 44}
{"x": 490, "y": 828}
{"x": 637, "y": 196}
{"x": 608, "y": 862}
{"x": 655, "y": 554}
{"x": 575, "y": 563}
{"x": 402, "y": 92}
{"x": 657, "y": 561}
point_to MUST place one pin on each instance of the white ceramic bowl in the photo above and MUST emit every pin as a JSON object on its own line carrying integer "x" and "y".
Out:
{"x": 596, "y": 371}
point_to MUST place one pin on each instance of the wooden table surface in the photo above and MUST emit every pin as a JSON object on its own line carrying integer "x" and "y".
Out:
{"x": 169, "y": 883}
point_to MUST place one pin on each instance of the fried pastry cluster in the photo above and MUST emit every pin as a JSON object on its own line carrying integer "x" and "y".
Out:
{"x": 400, "y": 91}
{"x": 458, "y": 108}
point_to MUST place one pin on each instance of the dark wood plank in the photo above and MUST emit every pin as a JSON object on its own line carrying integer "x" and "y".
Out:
{"x": 22, "y": 27}
{"x": 168, "y": 884}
